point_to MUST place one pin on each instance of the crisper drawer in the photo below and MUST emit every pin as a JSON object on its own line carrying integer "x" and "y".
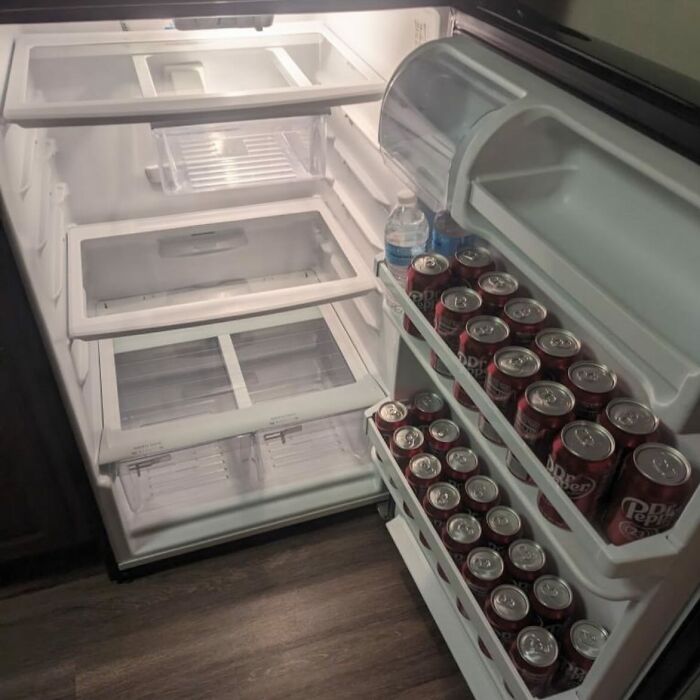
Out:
{"x": 248, "y": 468}
{"x": 140, "y": 275}
{"x": 170, "y": 390}
{"x": 105, "y": 77}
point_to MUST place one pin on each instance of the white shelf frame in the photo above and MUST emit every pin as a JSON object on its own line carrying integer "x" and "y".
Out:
{"x": 298, "y": 98}
{"x": 119, "y": 444}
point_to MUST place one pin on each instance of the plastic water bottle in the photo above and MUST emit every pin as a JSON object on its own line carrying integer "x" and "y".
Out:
{"x": 406, "y": 235}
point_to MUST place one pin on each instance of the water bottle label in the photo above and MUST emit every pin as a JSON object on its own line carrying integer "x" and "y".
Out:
{"x": 401, "y": 256}
{"x": 449, "y": 245}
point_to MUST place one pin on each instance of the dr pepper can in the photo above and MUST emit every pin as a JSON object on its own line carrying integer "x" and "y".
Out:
{"x": 558, "y": 349}
{"x": 581, "y": 461}
{"x": 525, "y": 318}
{"x": 469, "y": 264}
{"x": 428, "y": 276}
{"x": 482, "y": 336}
{"x": 648, "y": 497}
{"x": 592, "y": 384}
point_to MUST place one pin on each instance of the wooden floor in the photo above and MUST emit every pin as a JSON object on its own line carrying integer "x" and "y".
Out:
{"x": 323, "y": 611}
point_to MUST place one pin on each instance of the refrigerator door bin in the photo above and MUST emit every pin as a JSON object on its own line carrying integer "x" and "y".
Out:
{"x": 609, "y": 613}
{"x": 139, "y": 275}
{"x": 224, "y": 156}
{"x": 431, "y": 110}
{"x": 558, "y": 192}
{"x": 165, "y": 76}
{"x": 647, "y": 557}
{"x": 169, "y": 390}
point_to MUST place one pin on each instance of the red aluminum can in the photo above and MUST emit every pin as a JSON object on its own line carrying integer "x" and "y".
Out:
{"x": 428, "y": 275}
{"x": 461, "y": 464}
{"x": 647, "y": 499}
{"x": 390, "y": 416}
{"x": 553, "y": 603}
{"x": 557, "y": 349}
{"x": 631, "y": 424}
{"x": 496, "y": 289}
{"x": 508, "y": 611}
{"x": 442, "y": 436}
{"x": 456, "y": 306}
{"x": 441, "y": 502}
{"x": 480, "y": 495}
{"x": 460, "y": 534}
{"x": 580, "y": 647}
{"x": 406, "y": 442}
{"x": 525, "y": 562}
{"x": 422, "y": 471}
{"x": 535, "y": 654}
{"x": 582, "y": 458}
{"x": 482, "y": 336}
{"x": 592, "y": 384}
{"x": 502, "y": 526}
{"x": 483, "y": 571}
{"x": 427, "y": 407}
{"x": 525, "y": 318}
{"x": 470, "y": 263}
{"x": 543, "y": 410}
{"x": 507, "y": 375}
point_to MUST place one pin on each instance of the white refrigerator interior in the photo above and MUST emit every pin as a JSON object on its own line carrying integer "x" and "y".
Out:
{"x": 203, "y": 248}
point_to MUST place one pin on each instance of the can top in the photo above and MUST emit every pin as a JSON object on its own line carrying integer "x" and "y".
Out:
{"x": 392, "y": 411}
{"x": 462, "y": 459}
{"x": 526, "y": 555}
{"x": 473, "y": 257}
{"x": 588, "y": 638}
{"x": 444, "y": 430}
{"x": 481, "y": 489}
{"x": 510, "y": 603}
{"x": 485, "y": 563}
{"x": 425, "y": 466}
{"x": 593, "y": 377}
{"x": 558, "y": 342}
{"x": 550, "y": 398}
{"x": 503, "y": 520}
{"x": 587, "y": 440}
{"x": 553, "y": 592}
{"x": 498, "y": 283}
{"x": 461, "y": 299}
{"x": 430, "y": 264}
{"x": 661, "y": 464}
{"x": 463, "y": 528}
{"x": 524, "y": 310}
{"x": 631, "y": 416}
{"x": 443, "y": 496}
{"x": 428, "y": 401}
{"x": 515, "y": 361}
{"x": 487, "y": 329}
{"x": 408, "y": 436}
{"x": 537, "y": 646}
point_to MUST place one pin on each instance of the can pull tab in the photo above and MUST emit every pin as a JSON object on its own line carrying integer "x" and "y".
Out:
{"x": 281, "y": 435}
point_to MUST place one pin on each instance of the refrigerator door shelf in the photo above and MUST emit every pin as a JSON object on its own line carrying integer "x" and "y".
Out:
{"x": 169, "y": 77}
{"x": 173, "y": 271}
{"x": 210, "y": 157}
{"x": 226, "y": 489}
{"x": 645, "y": 558}
{"x": 411, "y": 513}
{"x": 170, "y": 390}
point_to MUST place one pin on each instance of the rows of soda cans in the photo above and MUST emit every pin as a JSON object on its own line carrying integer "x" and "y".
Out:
{"x": 604, "y": 452}
{"x": 532, "y": 611}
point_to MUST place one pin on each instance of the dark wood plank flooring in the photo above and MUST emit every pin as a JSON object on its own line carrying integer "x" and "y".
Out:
{"x": 322, "y": 611}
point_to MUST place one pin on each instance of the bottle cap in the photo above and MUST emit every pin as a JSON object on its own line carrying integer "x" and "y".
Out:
{"x": 407, "y": 198}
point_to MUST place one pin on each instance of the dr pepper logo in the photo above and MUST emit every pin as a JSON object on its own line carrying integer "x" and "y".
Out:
{"x": 425, "y": 300}
{"x": 650, "y": 515}
{"x": 574, "y": 485}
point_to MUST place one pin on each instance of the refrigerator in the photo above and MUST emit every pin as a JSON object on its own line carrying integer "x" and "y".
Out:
{"x": 197, "y": 205}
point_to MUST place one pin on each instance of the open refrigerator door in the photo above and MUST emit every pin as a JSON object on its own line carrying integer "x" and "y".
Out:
{"x": 571, "y": 204}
